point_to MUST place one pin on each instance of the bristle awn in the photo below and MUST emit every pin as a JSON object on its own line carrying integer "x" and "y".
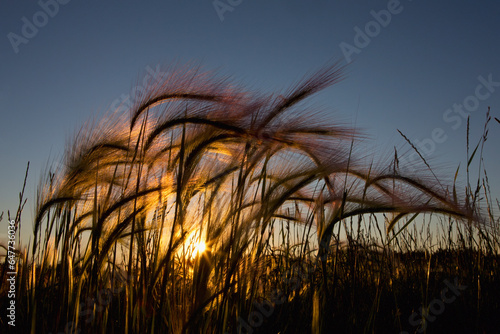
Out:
{"x": 280, "y": 194}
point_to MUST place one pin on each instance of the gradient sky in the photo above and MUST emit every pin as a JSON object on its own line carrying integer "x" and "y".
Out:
{"x": 86, "y": 54}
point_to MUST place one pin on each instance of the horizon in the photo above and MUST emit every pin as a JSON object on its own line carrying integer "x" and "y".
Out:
{"x": 413, "y": 70}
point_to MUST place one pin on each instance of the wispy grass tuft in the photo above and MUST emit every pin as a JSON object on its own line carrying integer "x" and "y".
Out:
{"x": 288, "y": 209}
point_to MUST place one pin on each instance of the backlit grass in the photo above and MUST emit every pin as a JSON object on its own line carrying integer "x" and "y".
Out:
{"x": 211, "y": 209}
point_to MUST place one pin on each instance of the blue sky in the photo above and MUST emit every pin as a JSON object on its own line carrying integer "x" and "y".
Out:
{"x": 64, "y": 62}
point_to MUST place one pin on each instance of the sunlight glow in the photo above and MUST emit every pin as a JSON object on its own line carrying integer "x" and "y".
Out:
{"x": 199, "y": 247}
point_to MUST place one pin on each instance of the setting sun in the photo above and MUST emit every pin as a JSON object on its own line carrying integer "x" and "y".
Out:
{"x": 199, "y": 247}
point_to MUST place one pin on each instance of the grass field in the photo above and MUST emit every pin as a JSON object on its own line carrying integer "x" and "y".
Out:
{"x": 210, "y": 209}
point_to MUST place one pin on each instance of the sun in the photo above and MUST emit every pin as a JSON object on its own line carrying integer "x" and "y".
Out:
{"x": 199, "y": 247}
{"x": 195, "y": 246}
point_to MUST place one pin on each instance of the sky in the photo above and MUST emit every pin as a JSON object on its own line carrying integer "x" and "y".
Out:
{"x": 417, "y": 66}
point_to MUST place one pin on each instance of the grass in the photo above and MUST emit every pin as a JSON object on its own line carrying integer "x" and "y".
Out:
{"x": 303, "y": 233}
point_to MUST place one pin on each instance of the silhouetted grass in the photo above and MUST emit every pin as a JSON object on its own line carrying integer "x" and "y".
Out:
{"x": 304, "y": 234}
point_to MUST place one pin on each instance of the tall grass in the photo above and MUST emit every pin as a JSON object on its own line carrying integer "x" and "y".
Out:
{"x": 304, "y": 233}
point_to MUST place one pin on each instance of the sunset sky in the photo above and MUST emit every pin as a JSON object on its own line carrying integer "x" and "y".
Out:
{"x": 417, "y": 66}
